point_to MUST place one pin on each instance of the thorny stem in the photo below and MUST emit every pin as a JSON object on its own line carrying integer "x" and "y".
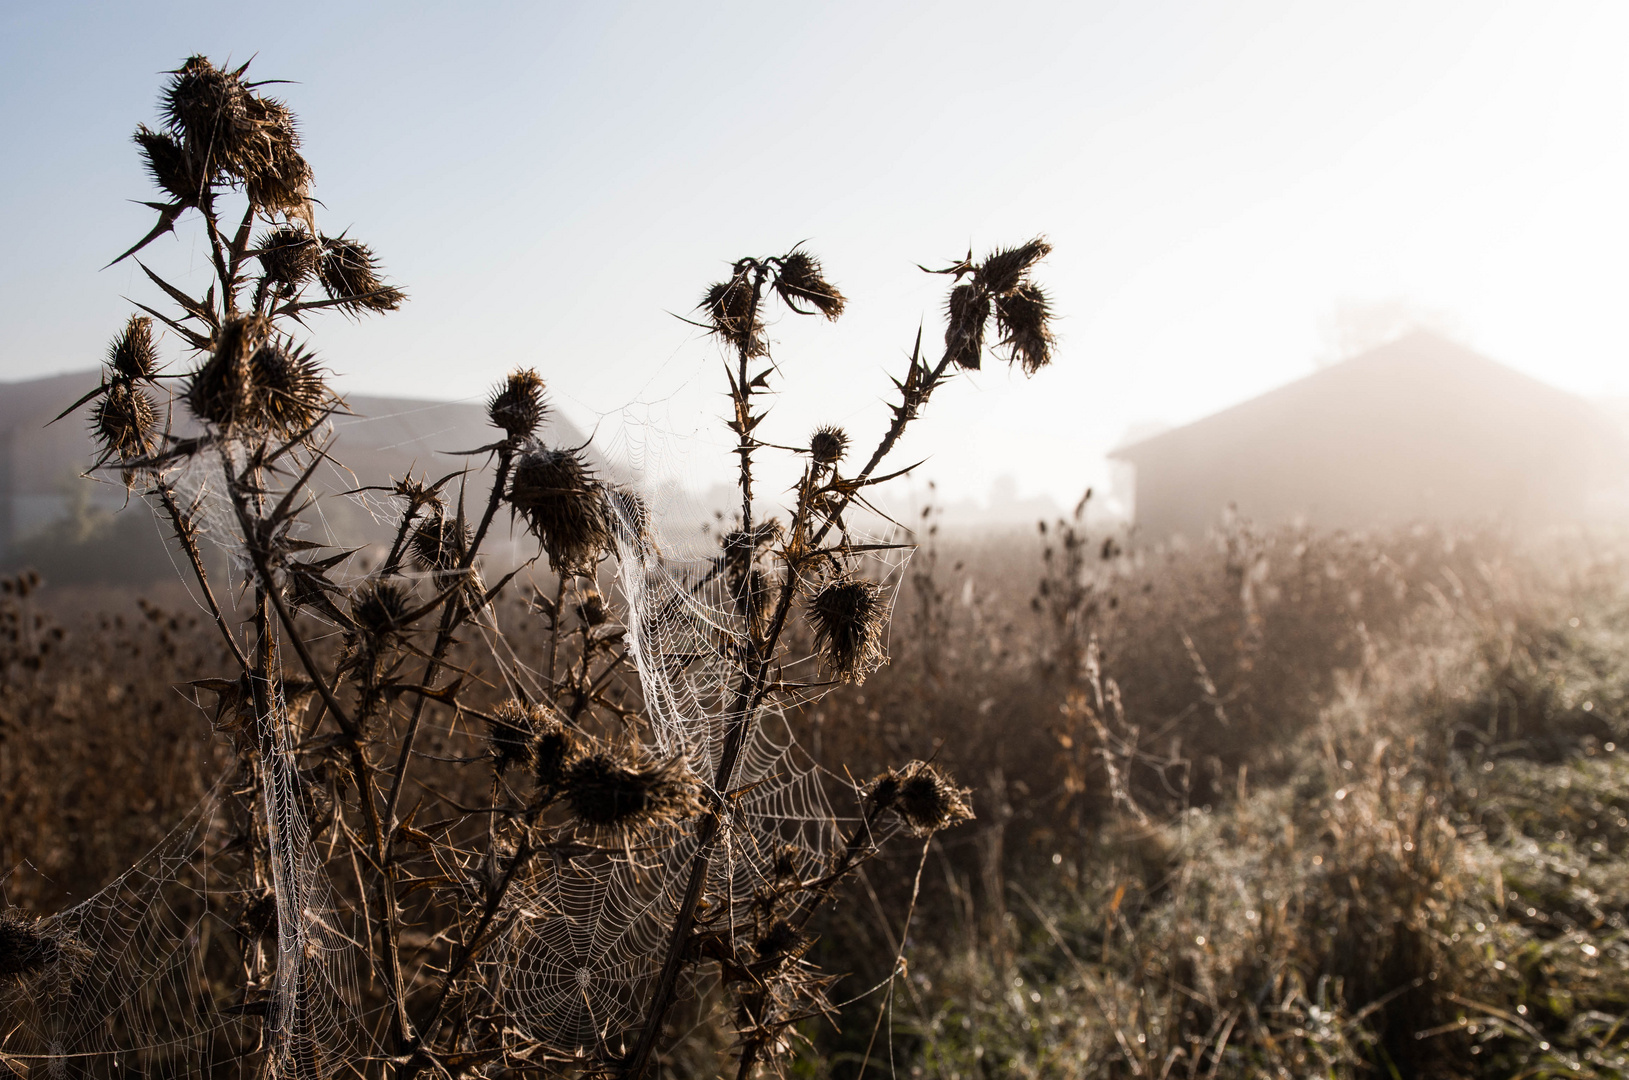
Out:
{"x": 749, "y": 697}
{"x": 186, "y": 536}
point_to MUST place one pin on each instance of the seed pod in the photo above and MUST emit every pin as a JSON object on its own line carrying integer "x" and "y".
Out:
{"x": 554, "y": 748}
{"x": 847, "y": 617}
{"x": 799, "y": 278}
{"x": 288, "y": 255}
{"x": 564, "y": 506}
{"x": 219, "y": 391}
{"x": 380, "y": 610}
{"x": 1004, "y": 270}
{"x": 179, "y": 174}
{"x": 627, "y": 796}
{"x": 287, "y": 391}
{"x": 209, "y": 109}
{"x": 349, "y": 272}
{"x": 731, "y": 308}
{"x": 27, "y": 947}
{"x": 1024, "y": 318}
{"x": 125, "y": 422}
{"x": 968, "y": 310}
{"x": 517, "y": 406}
{"x": 440, "y": 543}
{"x": 511, "y": 736}
{"x": 828, "y": 444}
{"x": 925, "y": 800}
{"x": 132, "y": 355}
{"x": 275, "y": 176}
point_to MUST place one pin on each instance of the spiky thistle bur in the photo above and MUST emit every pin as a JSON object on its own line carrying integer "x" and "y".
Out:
{"x": 626, "y": 795}
{"x": 1003, "y": 270}
{"x": 799, "y": 279}
{"x": 564, "y": 506}
{"x": 288, "y": 255}
{"x": 219, "y": 391}
{"x": 554, "y": 749}
{"x": 732, "y": 310}
{"x": 28, "y": 947}
{"x": 923, "y": 798}
{"x": 275, "y": 176}
{"x": 828, "y": 444}
{"x": 511, "y": 736}
{"x": 125, "y": 423}
{"x": 518, "y": 404}
{"x": 208, "y": 108}
{"x": 847, "y": 616}
{"x": 179, "y": 174}
{"x": 349, "y": 272}
{"x": 381, "y": 611}
{"x": 967, "y": 310}
{"x": 781, "y": 941}
{"x": 288, "y": 392}
{"x": 132, "y": 356}
{"x": 440, "y": 543}
{"x": 1024, "y": 319}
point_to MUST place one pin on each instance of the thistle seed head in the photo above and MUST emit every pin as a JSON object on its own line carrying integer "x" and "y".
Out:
{"x": 847, "y": 616}
{"x": 799, "y": 279}
{"x": 925, "y": 799}
{"x": 968, "y": 311}
{"x": 730, "y": 307}
{"x": 275, "y": 176}
{"x": 780, "y": 941}
{"x": 564, "y": 506}
{"x": 178, "y": 174}
{"x": 828, "y": 444}
{"x": 511, "y": 736}
{"x": 1004, "y": 270}
{"x": 209, "y": 109}
{"x": 219, "y": 391}
{"x": 440, "y": 544}
{"x": 288, "y": 393}
{"x": 380, "y": 610}
{"x": 349, "y": 273}
{"x": 627, "y": 796}
{"x": 132, "y": 355}
{"x": 288, "y": 255}
{"x": 1024, "y": 318}
{"x": 554, "y": 748}
{"x": 517, "y": 405}
{"x": 125, "y": 422}
{"x": 28, "y": 948}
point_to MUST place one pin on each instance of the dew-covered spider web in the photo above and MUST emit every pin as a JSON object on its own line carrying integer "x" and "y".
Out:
{"x": 179, "y": 969}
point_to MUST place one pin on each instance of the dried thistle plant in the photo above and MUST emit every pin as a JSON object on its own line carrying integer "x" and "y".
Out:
{"x": 432, "y": 772}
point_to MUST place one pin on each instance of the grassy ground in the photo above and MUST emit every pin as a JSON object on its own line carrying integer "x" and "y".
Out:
{"x": 1275, "y": 804}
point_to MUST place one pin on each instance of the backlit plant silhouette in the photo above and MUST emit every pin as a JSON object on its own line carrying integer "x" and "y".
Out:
{"x": 483, "y": 819}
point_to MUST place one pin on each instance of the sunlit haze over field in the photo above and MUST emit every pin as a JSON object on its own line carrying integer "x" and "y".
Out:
{"x": 1232, "y": 189}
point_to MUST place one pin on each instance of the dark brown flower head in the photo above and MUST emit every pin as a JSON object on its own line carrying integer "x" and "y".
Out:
{"x": 847, "y": 616}
{"x": 275, "y": 176}
{"x": 220, "y": 391}
{"x": 28, "y": 947}
{"x": 799, "y": 280}
{"x": 828, "y": 444}
{"x": 1024, "y": 318}
{"x": 288, "y": 255}
{"x": 440, "y": 543}
{"x": 780, "y": 941}
{"x": 554, "y": 748}
{"x": 380, "y": 610}
{"x": 968, "y": 311}
{"x": 627, "y": 795}
{"x": 925, "y": 799}
{"x": 517, "y": 405}
{"x": 564, "y": 506}
{"x": 125, "y": 422}
{"x": 349, "y": 272}
{"x": 511, "y": 736}
{"x": 732, "y": 310}
{"x": 209, "y": 109}
{"x": 592, "y": 611}
{"x": 1004, "y": 270}
{"x": 132, "y": 355}
{"x": 178, "y": 174}
{"x": 288, "y": 393}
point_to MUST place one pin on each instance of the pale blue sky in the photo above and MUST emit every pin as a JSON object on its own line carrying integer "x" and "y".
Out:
{"x": 550, "y": 181}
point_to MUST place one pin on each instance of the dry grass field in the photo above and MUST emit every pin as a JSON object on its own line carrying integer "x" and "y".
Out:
{"x": 1274, "y": 804}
